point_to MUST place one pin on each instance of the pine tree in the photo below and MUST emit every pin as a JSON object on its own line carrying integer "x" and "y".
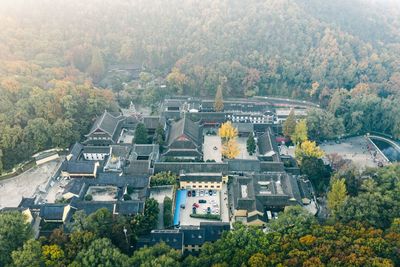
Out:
{"x": 251, "y": 144}
{"x": 219, "y": 101}
{"x": 289, "y": 125}
{"x": 141, "y": 134}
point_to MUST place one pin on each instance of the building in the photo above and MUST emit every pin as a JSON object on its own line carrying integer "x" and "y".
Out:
{"x": 79, "y": 169}
{"x": 258, "y": 197}
{"x": 202, "y": 180}
{"x": 184, "y": 140}
{"x": 187, "y": 239}
{"x": 106, "y": 130}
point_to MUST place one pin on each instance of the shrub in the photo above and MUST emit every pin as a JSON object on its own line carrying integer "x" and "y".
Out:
{"x": 214, "y": 217}
{"x": 89, "y": 197}
{"x": 127, "y": 197}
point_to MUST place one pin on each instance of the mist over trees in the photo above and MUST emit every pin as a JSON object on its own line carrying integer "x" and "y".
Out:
{"x": 55, "y": 55}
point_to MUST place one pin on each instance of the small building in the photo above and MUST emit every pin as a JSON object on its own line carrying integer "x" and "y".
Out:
{"x": 55, "y": 213}
{"x": 283, "y": 113}
{"x": 46, "y": 156}
{"x": 117, "y": 159}
{"x": 75, "y": 188}
{"x": 79, "y": 169}
{"x": 202, "y": 180}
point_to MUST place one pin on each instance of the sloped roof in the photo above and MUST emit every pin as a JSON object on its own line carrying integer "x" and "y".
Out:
{"x": 76, "y": 151}
{"x": 74, "y": 186}
{"x": 193, "y": 236}
{"x": 185, "y": 127}
{"x": 131, "y": 207}
{"x": 107, "y": 123}
{"x": 151, "y": 122}
{"x": 52, "y": 212}
{"x": 78, "y": 167}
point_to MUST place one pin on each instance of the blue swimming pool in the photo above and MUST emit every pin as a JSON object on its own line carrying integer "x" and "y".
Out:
{"x": 180, "y": 199}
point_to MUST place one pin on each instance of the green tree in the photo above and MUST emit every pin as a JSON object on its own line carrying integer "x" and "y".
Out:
{"x": 258, "y": 260}
{"x": 295, "y": 220}
{"x": 14, "y": 231}
{"x": 144, "y": 223}
{"x": 96, "y": 69}
{"x": 251, "y": 144}
{"x": 157, "y": 255}
{"x": 219, "y": 100}
{"x": 300, "y": 132}
{"x": 323, "y": 125}
{"x": 141, "y": 134}
{"x": 101, "y": 253}
{"x": 289, "y": 125}
{"x": 336, "y": 196}
{"x": 167, "y": 210}
{"x": 30, "y": 255}
{"x": 163, "y": 178}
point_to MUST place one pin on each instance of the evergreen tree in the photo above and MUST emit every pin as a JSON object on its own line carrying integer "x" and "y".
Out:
{"x": 289, "y": 125}
{"x": 96, "y": 69}
{"x": 251, "y": 144}
{"x": 141, "y": 134}
{"x": 219, "y": 101}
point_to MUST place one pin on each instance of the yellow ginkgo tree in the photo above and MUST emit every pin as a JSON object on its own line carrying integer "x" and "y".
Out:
{"x": 229, "y": 134}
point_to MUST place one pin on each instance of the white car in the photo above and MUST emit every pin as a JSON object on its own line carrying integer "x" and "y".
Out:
{"x": 201, "y": 193}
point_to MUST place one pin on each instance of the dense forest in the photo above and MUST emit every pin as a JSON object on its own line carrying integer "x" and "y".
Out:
{"x": 55, "y": 58}
{"x": 363, "y": 230}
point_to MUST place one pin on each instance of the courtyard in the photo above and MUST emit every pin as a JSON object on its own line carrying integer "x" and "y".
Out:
{"x": 212, "y": 148}
{"x": 242, "y": 142}
{"x": 102, "y": 193}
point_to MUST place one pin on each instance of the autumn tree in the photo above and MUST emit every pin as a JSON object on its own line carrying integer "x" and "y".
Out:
{"x": 336, "y": 196}
{"x": 289, "y": 125}
{"x": 300, "y": 132}
{"x": 251, "y": 144}
{"x": 227, "y": 131}
{"x": 230, "y": 149}
{"x": 308, "y": 149}
{"x": 30, "y": 255}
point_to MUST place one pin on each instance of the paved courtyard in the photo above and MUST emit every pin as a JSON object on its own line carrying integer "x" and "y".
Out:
{"x": 25, "y": 185}
{"x": 242, "y": 142}
{"x": 354, "y": 149}
{"x": 102, "y": 193}
{"x": 212, "y": 148}
{"x": 159, "y": 193}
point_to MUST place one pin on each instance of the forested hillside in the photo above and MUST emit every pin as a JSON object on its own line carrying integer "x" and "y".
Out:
{"x": 55, "y": 54}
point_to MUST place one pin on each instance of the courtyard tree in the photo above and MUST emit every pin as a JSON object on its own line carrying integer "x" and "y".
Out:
{"x": 30, "y": 255}
{"x": 289, "y": 125}
{"x": 141, "y": 134}
{"x": 230, "y": 149}
{"x": 300, "y": 132}
{"x": 227, "y": 131}
{"x": 337, "y": 195}
{"x": 251, "y": 144}
{"x": 163, "y": 178}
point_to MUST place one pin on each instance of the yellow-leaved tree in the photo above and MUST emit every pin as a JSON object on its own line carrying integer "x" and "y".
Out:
{"x": 337, "y": 195}
{"x": 308, "y": 149}
{"x": 227, "y": 131}
{"x": 228, "y": 134}
{"x": 230, "y": 149}
{"x": 300, "y": 132}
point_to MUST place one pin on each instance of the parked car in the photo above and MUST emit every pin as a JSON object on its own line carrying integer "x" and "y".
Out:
{"x": 196, "y": 205}
{"x": 193, "y": 193}
{"x": 194, "y": 210}
{"x": 201, "y": 193}
{"x": 208, "y": 210}
{"x": 215, "y": 205}
{"x": 202, "y": 201}
{"x": 189, "y": 193}
{"x": 182, "y": 206}
{"x": 210, "y": 192}
{"x": 214, "y": 192}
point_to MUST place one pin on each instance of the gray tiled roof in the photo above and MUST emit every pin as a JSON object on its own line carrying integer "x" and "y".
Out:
{"x": 75, "y": 187}
{"x": 107, "y": 123}
{"x": 52, "y": 212}
{"x": 76, "y": 151}
{"x": 131, "y": 207}
{"x": 186, "y": 127}
{"x": 78, "y": 167}
{"x": 151, "y": 122}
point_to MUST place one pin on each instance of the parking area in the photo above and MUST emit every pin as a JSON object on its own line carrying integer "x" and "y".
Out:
{"x": 212, "y": 148}
{"x": 202, "y": 203}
